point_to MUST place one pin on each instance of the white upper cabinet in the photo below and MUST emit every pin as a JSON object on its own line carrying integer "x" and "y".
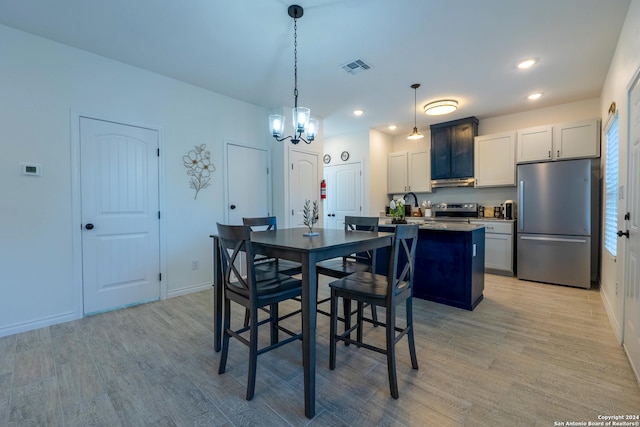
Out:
{"x": 495, "y": 160}
{"x": 409, "y": 171}
{"x": 397, "y": 173}
{"x": 535, "y": 144}
{"x": 559, "y": 142}
{"x": 575, "y": 140}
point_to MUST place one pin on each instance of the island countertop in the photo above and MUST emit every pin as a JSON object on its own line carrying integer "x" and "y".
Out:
{"x": 436, "y": 225}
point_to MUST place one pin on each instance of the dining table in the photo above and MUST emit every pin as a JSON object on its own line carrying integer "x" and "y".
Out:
{"x": 295, "y": 245}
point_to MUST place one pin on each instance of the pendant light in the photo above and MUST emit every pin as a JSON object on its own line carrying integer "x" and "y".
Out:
{"x": 302, "y": 122}
{"x": 415, "y": 134}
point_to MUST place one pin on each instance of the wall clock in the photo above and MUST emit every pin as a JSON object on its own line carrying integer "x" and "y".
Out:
{"x": 344, "y": 156}
{"x": 327, "y": 158}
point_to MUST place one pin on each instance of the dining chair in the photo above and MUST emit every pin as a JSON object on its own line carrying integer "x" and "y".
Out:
{"x": 283, "y": 266}
{"x": 269, "y": 265}
{"x": 252, "y": 291}
{"x": 344, "y": 266}
{"x": 384, "y": 291}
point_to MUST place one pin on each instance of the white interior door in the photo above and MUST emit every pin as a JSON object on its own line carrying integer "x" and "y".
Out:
{"x": 632, "y": 258}
{"x": 304, "y": 184}
{"x": 248, "y": 183}
{"x": 344, "y": 193}
{"x": 120, "y": 234}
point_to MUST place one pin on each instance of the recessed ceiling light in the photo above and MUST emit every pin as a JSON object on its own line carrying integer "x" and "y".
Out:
{"x": 443, "y": 106}
{"x": 534, "y": 96}
{"x": 393, "y": 127}
{"x": 527, "y": 63}
{"x": 358, "y": 112}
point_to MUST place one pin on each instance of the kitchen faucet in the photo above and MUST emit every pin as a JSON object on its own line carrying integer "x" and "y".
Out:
{"x": 414, "y": 198}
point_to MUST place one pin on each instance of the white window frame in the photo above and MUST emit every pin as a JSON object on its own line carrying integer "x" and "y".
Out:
{"x": 611, "y": 174}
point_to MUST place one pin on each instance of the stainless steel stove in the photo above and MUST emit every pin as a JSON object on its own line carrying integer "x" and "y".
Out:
{"x": 455, "y": 211}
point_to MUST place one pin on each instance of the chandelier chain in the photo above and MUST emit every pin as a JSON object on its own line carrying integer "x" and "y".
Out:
{"x": 295, "y": 62}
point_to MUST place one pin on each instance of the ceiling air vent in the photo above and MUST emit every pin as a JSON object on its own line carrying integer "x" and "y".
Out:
{"x": 356, "y": 66}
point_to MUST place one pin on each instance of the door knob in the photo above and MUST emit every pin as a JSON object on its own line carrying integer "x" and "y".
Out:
{"x": 232, "y": 206}
{"x": 623, "y": 233}
{"x": 89, "y": 226}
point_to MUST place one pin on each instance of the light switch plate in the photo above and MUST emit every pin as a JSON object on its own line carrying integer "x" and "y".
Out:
{"x": 33, "y": 169}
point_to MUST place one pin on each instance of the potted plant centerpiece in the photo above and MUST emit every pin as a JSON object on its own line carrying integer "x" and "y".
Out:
{"x": 396, "y": 207}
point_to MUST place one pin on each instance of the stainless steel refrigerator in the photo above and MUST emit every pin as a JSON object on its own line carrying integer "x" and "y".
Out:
{"x": 557, "y": 222}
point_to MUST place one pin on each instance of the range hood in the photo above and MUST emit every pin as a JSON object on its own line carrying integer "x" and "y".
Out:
{"x": 453, "y": 182}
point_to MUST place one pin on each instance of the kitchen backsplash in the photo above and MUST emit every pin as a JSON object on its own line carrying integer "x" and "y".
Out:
{"x": 483, "y": 196}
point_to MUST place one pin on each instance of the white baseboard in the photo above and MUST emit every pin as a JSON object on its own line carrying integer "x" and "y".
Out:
{"x": 617, "y": 328}
{"x": 189, "y": 289}
{"x": 38, "y": 323}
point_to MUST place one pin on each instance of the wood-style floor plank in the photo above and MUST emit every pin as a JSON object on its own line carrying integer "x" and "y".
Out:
{"x": 529, "y": 354}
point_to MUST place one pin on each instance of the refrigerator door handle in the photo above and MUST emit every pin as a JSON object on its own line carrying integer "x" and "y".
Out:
{"x": 553, "y": 239}
{"x": 520, "y": 205}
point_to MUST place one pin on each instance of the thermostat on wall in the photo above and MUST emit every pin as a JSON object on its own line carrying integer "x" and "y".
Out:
{"x": 31, "y": 169}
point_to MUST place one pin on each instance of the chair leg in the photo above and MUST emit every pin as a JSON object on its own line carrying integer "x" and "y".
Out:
{"x": 374, "y": 315}
{"x": 253, "y": 354}
{"x": 246, "y": 317}
{"x": 273, "y": 316}
{"x": 359, "y": 317}
{"x": 412, "y": 344}
{"x": 391, "y": 351}
{"x": 346, "y": 308}
{"x": 226, "y": 325}
{"x": 333, "y": 325}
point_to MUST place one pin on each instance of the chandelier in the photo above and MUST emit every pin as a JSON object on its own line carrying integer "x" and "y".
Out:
{"x": 302, "y": 121}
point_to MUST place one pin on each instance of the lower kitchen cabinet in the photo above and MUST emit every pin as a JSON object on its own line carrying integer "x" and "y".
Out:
{"x": 498, "y": 246}
{"x": 449, "y": 266}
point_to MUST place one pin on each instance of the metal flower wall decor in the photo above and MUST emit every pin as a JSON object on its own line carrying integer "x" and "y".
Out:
{"x": 199, "y": 167}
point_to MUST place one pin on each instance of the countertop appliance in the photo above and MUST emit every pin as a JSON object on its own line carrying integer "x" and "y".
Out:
{"x": 557, "y": 210}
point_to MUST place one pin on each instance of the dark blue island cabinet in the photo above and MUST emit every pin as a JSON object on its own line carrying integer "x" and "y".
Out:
{"x": 449, "y": 264}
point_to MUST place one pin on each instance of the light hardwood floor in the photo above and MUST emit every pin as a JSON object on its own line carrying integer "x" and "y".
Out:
{"x": 529, "y": 355}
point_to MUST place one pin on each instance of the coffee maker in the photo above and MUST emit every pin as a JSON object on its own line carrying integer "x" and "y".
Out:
{"x": 509, "y": 209}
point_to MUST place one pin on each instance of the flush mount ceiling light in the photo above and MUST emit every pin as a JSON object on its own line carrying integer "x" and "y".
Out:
{"x": 440, "y": 107}
{"x": 534, "y": 96}
{"x": 358, "y": 112}
{"x": 393, "y": 127}
{"x": 415, "y": 134}
{"x": 527, "y": 63}
{"x": 302, "y": 122}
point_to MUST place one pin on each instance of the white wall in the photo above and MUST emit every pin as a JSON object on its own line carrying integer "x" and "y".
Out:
{"x": 624, "y": 65}
{"x": 41, "y": 83}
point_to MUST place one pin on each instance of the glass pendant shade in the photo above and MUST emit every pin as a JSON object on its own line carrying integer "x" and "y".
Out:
{"x": 276, "y": 125}
{"x": 312, "y": 129}
{"x": 301, "y": 117}
{"x": 415, "y": 134}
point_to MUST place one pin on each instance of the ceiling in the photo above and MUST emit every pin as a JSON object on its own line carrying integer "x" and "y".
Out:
{"x": 461, "y": 49}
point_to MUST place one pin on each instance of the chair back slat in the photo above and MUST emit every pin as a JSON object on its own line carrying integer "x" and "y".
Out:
{"x": 268, "y": 222}
{"x": 403, "y": 251}
{"x": 235, "y": 240}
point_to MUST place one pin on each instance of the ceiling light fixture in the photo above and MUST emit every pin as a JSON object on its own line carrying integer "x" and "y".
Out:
{"x": 526, "y": 63}
{"x": 358, "y": 112}
{"x": 534, "y": 96}
{"x": 302, "y": 122}
{"x": 440, "y": 107}
{"x": 393, "y": 127}
{"x": 415, "y": 134}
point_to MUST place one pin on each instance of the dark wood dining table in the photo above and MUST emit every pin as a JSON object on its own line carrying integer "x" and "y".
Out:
{"x": 292, "y": 244}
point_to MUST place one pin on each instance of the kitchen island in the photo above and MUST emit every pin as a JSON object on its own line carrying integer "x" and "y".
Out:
{"x": 449, "y": 263}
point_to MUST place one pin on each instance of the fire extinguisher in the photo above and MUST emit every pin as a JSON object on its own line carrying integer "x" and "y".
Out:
{"x": 323, "y": 189}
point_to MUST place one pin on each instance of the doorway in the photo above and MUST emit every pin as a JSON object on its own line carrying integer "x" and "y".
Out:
{"x": 304, "y": 184}
{"x": 631, "y": 225}
{"x": 344, "y": 193}
{"x": 248, "y": 189}
{"x": 119, "y": 198}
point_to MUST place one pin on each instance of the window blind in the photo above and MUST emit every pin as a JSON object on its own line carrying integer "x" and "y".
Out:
{"x": 611, "y": 191}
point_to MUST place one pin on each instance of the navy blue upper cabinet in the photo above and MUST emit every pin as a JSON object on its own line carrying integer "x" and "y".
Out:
{"x": 452, "y": 148}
